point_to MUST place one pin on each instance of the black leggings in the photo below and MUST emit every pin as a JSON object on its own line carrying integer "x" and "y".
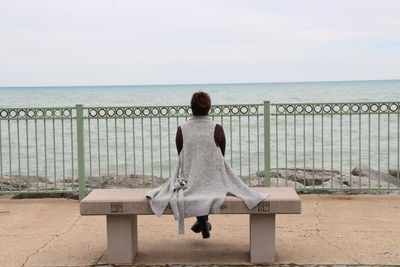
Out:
{"x": 200, "y": 218}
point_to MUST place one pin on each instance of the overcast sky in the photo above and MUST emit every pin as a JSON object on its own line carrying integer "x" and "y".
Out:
{"x": 96, "y": 42}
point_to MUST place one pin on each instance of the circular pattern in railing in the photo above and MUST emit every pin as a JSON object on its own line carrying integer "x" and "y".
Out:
{"x": 216, "y": 110}
{"x": 3, "y": 113}
{"x": 394, "y": 107}
{"x": 309, "y": 109}
{"x": 67, "y": 113}
{"x": 36, "y": 113}
{"x": 12, "y": 114}
{"x": 39, "y": 113}
{"x": 374, "y": 107}
{"x": 327, "y": 108}
{"x": 235, "y": 110}
{"x": 299, "y": 109}
{"x": 345, "y": 108}
{"x": 339, "y": 108}
{"x": 355, "y": 108}
{"x": 110, "y": 112}
{"x": 384, "y": 107}
{"x": 121, "y": 112}
{"x": 182, "y": 111}
{"x": 290, "y": 109}
{"x": 155, "y": 111}
{"x": 128, "y": 112}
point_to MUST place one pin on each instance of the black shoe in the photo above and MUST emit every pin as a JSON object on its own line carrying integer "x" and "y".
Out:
{"x": 205, "y": 228}
{"x": 196, "y": 227}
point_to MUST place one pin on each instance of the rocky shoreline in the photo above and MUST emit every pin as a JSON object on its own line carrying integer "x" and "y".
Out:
{"x": 304, "y": 180}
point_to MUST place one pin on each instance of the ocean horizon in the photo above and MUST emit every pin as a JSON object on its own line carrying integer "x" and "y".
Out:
{"x": 221, "y": 93}
{"x": 336, "y": 150}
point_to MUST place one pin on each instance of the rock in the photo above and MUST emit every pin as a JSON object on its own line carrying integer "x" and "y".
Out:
{"x": 360, "y": 172}
{"x": 325, "y": 187}
{"x": 394, "y": 172}
{"x": 277, "y": 180}
{"x": 140, "y": 181}
{"x": 40, "y": 183}
{"x": 68, "y": 179}
{"x": 334, "y": 183}
{"x": 309, "y": 177}
{"x": 276, "y": 173}
{"x": 47, "y": 195}
{"x": 366, "y": 177}
{"x": 301, "y": 179}
{"x": 306, "y": 177}
{"x": 324, "y": 181}
{"x": 253, "y": 180}
{"x": 16, "y": 182}
{"x": 7, "y": 196}
{"x": 8, "y": 187}
{"x": 260, "y": 174}
{"x": 280, "y": 182}
{"x": 41, "y": 186}
{"x": 120, "y": 181}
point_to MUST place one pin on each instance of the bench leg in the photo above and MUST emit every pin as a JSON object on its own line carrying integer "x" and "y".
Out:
{"x": 262, "y": 238}
{"x": 122, "y": 238}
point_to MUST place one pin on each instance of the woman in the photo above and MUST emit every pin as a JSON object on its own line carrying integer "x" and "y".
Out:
{"x": 202, "y": 177}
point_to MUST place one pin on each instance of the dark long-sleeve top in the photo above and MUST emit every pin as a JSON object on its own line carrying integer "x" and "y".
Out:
{"x": 219, "y": 138}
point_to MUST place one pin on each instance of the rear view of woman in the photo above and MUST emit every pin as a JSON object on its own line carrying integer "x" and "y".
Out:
{"x": 202, "y": 177}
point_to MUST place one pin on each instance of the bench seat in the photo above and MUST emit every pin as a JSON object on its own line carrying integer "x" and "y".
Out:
{"x": 121, "y": 206}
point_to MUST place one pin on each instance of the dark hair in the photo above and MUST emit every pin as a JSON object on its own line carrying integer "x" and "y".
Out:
{"x": 200, "y": 103}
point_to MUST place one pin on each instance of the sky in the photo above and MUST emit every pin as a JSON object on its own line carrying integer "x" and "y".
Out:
{"x": 98, "y": 42}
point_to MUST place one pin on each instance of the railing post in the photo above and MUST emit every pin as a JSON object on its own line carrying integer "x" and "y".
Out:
{"x": 81, "y": 151}
{"x": 267, "y": 147}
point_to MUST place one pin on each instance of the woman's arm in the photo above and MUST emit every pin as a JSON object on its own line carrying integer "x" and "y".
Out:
{"x": 219, "y": 137}
{"x": 179, "y": 140}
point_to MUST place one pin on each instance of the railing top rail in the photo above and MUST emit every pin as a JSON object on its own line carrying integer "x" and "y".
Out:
{"x": 174, "y": 106}
{"x": 336, "y": 108}
{"x": 335, "y": 103}
{"x": 37, "y": 113}
{"x": 21, "y": 113}
{"x": 34, "y": 108}
{"x": 170, "y": 111}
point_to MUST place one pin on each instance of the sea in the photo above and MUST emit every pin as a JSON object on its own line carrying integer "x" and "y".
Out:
{"x": 129, "y": 147}
{"x": 180, "y": 94}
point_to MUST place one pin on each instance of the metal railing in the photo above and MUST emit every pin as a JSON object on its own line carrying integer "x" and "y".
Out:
{"x": 339, "y": 146}
{"x": 309, "y": 146}
{"x": 81, "y": 148}
{"x": 135, "y": 146}
{"x": 37, "y": 145}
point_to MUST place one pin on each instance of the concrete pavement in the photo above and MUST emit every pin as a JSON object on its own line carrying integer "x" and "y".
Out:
{"x": 332, "y": 229}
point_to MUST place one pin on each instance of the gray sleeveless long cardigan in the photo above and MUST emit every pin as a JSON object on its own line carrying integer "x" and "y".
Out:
{"x": 201, "y": 178}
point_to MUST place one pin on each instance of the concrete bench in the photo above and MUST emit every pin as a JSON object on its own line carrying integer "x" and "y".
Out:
{"x": 121, "y": 206}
